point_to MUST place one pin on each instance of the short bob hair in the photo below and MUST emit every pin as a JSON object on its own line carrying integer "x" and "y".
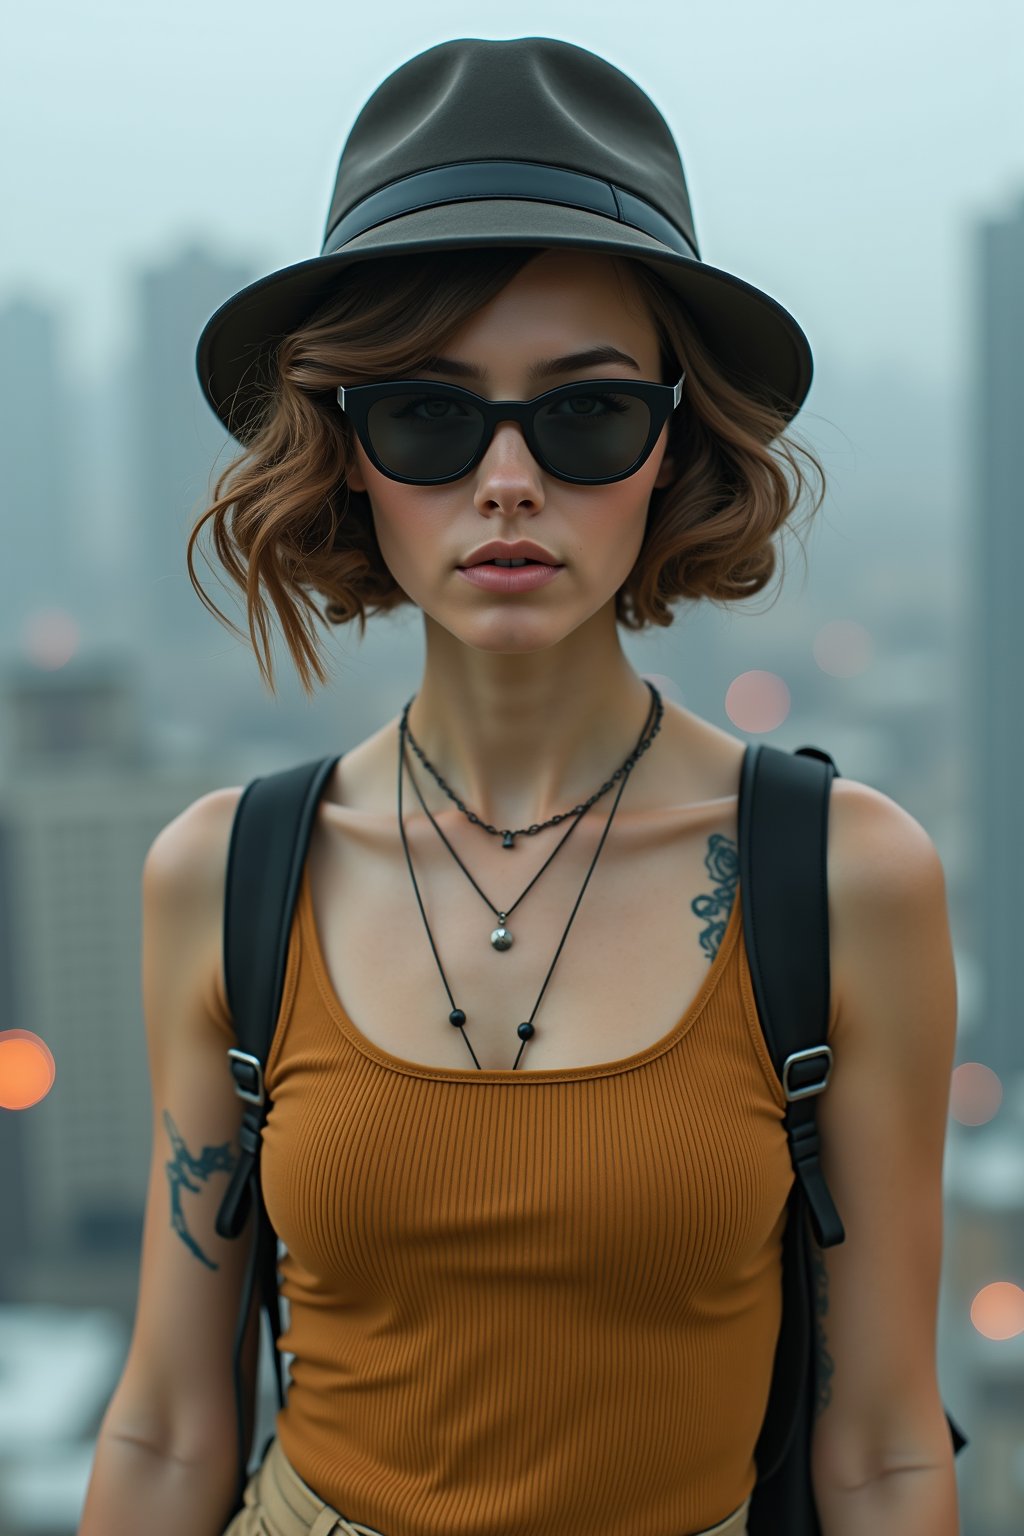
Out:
{"x": 284, "y": 517}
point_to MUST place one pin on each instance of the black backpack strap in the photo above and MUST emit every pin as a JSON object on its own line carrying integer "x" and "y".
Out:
{"x": 783, "y": 841}
{"x": 783, "y": 836}
{"x": 269, "y": 841}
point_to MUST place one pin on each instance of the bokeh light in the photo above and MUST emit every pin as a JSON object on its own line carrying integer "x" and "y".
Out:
{"x": 50, "y": 638}
{"x": 757, "y": 701}
{"x": 997, "y": 1311}
{"x": 27, "y": 1069}
{"x": 975, "y": 1094}
{"x": 843, "y": 648}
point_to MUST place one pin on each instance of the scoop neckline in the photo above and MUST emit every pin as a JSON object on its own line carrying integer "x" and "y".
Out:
{"x": 622, "y": 1064}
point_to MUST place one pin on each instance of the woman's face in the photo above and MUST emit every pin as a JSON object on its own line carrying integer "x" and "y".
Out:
{"x": 561, "y": 302}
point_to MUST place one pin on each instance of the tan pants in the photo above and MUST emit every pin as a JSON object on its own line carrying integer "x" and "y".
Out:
{"x": 279, "y": 1503}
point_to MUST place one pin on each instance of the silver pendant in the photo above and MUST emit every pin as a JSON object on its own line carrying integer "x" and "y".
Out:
{"x": 501, "y": 938}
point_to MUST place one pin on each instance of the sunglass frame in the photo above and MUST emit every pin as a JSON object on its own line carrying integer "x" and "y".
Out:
{"x": 661, "y": 400}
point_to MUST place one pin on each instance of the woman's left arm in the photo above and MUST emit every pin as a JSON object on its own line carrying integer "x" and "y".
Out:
{"x": 881, "y": 1451}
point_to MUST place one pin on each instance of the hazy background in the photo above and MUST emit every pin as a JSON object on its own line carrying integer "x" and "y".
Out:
{"x": 865, "y": 167}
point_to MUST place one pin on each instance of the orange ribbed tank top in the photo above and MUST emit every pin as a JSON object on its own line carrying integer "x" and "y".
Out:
{"x": 542, "y": 1301}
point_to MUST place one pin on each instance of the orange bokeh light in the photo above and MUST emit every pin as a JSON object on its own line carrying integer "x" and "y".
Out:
{"x": 998, "y": 1310}
{"x": 975, "y": 1093}
{"x": 27, "y": 1069}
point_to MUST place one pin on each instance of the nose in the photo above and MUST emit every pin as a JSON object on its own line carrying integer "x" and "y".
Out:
{"x": 508, "y": 474}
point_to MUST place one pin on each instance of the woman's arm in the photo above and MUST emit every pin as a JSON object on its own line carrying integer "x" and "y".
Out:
{"x": 135, "y": 1487}
{"x": 166, "y": 1458}
{"x": 882, "y": 1457}
{"x": 919, "y": 1502}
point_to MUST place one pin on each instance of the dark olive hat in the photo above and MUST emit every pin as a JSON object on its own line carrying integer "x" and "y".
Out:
{"x": 525, "y": 141}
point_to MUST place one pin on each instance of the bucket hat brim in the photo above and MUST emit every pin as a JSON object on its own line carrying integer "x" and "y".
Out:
{"x": 735, "y": 319}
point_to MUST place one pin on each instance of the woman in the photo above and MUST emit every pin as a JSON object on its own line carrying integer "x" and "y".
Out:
{"x": 532, "y": 1210}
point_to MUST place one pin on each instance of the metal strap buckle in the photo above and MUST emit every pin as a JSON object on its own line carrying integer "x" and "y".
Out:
{"x": 809, "y": 1088}
{"x": 247, "y": 1071}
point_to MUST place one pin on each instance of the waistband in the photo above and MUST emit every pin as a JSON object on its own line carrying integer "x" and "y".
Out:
{"x": 288, "y": 1507}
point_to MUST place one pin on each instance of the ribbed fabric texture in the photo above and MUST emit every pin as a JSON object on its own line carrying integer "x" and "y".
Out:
{"x": 527, "y": 1303}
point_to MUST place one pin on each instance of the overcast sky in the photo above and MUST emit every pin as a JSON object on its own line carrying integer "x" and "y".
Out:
{"x": 837, "y": 156}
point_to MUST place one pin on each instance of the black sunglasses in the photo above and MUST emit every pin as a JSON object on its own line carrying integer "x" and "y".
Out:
{"x": 423, "y": 432}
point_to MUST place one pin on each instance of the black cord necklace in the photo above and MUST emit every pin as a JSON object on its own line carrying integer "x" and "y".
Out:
{"x": 501, "y": 938}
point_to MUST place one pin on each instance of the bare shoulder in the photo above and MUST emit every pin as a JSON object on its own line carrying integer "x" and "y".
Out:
{"x": 185, "y": 873}
{"x": 876, "y": 845}
{"x": 190, "y": 845}
{"x": 886, "y": 885}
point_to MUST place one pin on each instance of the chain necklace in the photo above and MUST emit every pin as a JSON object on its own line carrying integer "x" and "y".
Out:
{"x": 508, "y": 836}
{"x": 501, "y": 938}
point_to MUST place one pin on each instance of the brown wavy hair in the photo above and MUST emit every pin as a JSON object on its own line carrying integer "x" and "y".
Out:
{"x": 284, "y": 519}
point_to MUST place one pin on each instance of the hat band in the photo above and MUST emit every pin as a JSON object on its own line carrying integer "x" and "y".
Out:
{"x": 474, "y": 180}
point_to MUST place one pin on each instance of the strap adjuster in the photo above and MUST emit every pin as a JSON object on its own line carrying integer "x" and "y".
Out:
{"x": 247, "y": 1071}
{"x": 808, "y": 1088}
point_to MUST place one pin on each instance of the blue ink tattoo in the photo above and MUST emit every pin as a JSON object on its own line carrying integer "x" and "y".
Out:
{"x": 182, "y": 1165}
{"x": 723, "y": 865}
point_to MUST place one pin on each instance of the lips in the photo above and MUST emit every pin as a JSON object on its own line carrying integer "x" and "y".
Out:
{"x": 475, "y": 565}
{"x": 523, "y": 578}
{"x": 519, "y": 549}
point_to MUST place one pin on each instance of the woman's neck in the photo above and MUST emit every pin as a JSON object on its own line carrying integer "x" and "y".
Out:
{"x": 521, "y": 743}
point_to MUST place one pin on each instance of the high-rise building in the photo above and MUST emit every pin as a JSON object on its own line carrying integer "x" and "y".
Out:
{"x": 176, "y": 447}
{"x": 995, "y": 651}
{"x": 37, "y": 425}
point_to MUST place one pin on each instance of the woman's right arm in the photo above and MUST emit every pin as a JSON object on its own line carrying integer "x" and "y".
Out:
{"x": 166, "y": 1456}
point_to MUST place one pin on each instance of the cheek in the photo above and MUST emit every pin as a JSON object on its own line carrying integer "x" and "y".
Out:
{"x": 398, "y": 529}
{"x": 413, "y": 530}
{"x": 613, "y": 518}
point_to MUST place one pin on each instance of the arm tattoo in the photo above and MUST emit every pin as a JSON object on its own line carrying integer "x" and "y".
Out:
{"x": 180, "y": 1167}
{"x": 824, "y": 1365}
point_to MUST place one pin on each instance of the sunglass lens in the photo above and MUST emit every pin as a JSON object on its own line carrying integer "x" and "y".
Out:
{"x": 424, "y": 437}
{"x": 593, "y": 434}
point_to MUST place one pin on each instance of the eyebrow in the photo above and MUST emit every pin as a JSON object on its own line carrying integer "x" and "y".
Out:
{"x": 541, "y": 370}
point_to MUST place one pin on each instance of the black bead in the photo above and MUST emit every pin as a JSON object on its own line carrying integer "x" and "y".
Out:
{"x": 525, "y": 1031}
{"x": 457, "y": 1017}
